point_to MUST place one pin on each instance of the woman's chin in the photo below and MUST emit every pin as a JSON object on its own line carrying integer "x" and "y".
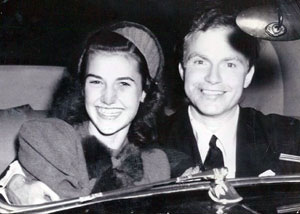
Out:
{"x": 108, "y": 131}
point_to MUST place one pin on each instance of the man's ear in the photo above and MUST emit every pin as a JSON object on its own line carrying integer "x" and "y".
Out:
{"x": 249, "y": 76}
{"x": 144, "y": 94}
{"x": 181, "y": 70}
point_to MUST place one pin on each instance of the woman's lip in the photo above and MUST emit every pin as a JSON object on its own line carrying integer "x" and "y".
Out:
{"x": 109, "y": 113}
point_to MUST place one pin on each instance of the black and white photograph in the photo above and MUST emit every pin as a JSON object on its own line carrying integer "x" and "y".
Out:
{"x": 150, "y": 106}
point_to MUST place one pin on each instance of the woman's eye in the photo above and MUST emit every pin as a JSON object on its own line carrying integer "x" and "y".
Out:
{"x": 96, "y": 82}
{"x": 124, "y": 84}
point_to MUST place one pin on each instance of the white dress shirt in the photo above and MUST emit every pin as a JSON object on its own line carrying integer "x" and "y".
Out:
{"x": 226, "y": 134}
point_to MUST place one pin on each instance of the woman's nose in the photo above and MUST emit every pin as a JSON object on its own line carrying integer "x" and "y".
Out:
{"x": 213, "y": 75}
{"x": 108, "y": 96}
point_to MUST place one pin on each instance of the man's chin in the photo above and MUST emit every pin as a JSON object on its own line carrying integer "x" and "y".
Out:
{"x": 210, "y": 112}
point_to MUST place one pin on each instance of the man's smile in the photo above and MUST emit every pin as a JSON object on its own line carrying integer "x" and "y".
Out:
{"x": 210, "y": 92}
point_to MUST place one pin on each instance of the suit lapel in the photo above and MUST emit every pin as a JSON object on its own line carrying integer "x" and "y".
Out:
{"x": 253, "y": 153}
{"x": 245, "y": 135}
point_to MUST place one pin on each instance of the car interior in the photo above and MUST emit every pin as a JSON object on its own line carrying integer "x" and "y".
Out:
{"x": 26, "y": 91}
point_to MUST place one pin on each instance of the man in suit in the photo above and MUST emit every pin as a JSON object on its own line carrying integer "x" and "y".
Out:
{"x": 217, "y": 63}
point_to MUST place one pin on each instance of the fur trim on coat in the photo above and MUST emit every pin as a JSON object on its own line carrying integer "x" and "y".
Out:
{"x": 111, "y": 172}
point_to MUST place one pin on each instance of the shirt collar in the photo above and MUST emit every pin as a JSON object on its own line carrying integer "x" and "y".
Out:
{"x": 228, "y": 128}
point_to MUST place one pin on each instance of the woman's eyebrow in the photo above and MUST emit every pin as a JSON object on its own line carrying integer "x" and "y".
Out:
{"x": 126, "y": 78}
{"x": 119, "y": 78}
{"x": 92, "y": 75}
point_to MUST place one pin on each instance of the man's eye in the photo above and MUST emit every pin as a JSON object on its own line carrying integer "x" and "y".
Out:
{"x": 199, "y": 62}
{"x": 231, "y": 65}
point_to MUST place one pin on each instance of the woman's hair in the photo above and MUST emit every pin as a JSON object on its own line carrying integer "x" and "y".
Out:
{"x": 69, "y": 105}
{"x": 111, "y": 42}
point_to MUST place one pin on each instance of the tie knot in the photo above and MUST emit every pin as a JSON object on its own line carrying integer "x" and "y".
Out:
{"x": 213, "y": 140}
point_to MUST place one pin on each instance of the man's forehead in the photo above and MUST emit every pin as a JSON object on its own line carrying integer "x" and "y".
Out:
{"x": 189, "y": 38}
{"x": 201, "y": 40}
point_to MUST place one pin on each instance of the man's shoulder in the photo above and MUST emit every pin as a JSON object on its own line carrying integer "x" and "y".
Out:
{"x": 180, "y": 116}
{"x": 274, "y": 122}
{"x": 176, "y": 129}
{"x": 272, "y": 117}
{"x": 174, "y": 124}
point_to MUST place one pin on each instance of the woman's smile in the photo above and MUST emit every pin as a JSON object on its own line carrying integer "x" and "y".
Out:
{"x": 112, "y": 99}
{"x": 109, "y": 113}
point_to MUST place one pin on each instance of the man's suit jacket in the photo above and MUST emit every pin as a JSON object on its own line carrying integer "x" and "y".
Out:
{"x": 260, "y": 140}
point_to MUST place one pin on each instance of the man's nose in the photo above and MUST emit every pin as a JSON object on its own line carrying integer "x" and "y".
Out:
{"x": 213, "y": 75}
{"x": 108, "y": 96}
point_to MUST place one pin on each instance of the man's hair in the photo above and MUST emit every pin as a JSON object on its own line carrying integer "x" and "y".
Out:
{"x": 214, "y": 14}
{"x": 69, "y": 104}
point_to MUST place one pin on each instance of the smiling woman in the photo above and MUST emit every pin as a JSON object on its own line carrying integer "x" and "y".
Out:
{"x": 102, "y": 140}
{"x": 112, "y": 98}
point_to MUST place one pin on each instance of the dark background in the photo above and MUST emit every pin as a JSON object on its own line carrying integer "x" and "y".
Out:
{"x": 46, "y": 32}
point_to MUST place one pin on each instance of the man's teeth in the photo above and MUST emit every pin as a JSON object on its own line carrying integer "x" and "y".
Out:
{"x": 212, "y": 92}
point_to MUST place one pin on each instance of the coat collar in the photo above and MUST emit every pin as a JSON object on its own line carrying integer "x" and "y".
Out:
{"x": 182, "y": 134}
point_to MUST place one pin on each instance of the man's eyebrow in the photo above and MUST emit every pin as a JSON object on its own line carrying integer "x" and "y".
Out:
{"x": 233, "y": 58}
{"x": 192, "y": 55}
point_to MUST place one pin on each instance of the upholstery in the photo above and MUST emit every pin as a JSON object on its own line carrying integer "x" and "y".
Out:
{"x": 288, "y": 55}
{"x": 25, "y": 93}
{"x": 265, "y": 93}
{"x": 275, "y": 87}
{"x": 10, "y": 123}
{"x": 33, "y": 85}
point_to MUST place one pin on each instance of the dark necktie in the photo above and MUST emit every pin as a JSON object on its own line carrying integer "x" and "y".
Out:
{"x": 214, "y": 158}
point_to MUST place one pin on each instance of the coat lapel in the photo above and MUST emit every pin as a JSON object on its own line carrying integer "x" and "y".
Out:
{"x": 253, "y": 154}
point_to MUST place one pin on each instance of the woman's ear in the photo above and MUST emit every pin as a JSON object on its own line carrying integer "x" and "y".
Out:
{"x": 144, "y": 94}
{"x": 83, "y": 90}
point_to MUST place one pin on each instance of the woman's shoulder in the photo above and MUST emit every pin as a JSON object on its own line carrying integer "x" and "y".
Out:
{"x": 45, "y": 123}
{"x": 176, "y": 160}
{"x": 154, "y": 155}
{"x": 156, "y": 165}
{"x": 48, "y": 132}
{"x": 51, "y": 151}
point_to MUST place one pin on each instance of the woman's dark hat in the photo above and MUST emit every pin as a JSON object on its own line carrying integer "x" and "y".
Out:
{"x": 146, "y": 42}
